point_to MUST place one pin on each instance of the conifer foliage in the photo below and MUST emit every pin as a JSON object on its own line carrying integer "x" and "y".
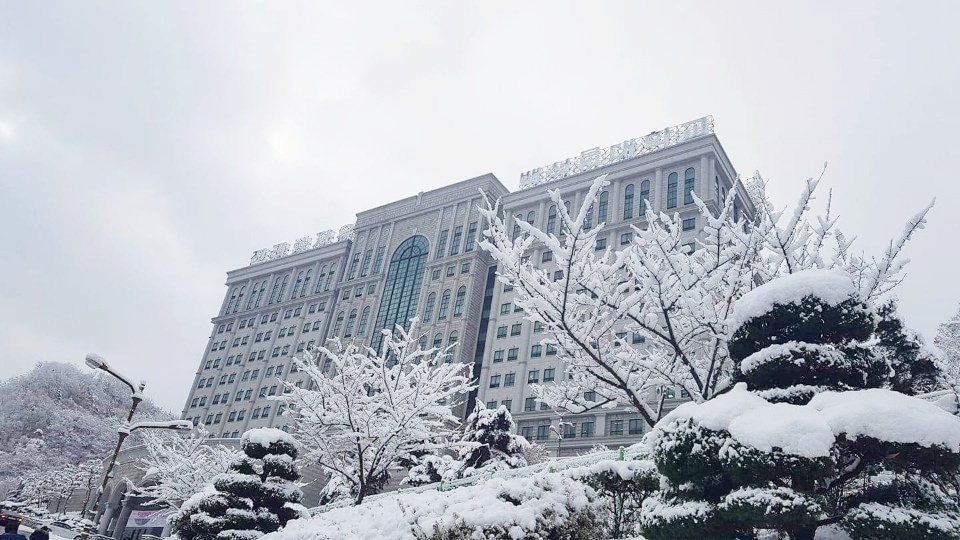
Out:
{"x": 489, "y": 444}
{"x": 819, "y": 440}
{"x": 257, "y": 495}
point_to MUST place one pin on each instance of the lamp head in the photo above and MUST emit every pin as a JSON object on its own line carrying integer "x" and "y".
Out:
{"x": 182, "y": 425}
{"x": 95, "y": 361}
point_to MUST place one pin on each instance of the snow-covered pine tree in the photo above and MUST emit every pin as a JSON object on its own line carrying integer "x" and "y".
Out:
{"x": 818, "y": 443}
{"x": 257, "y": 495}
{"x": 948, "y": 341}
{"x": 489, "y": 443}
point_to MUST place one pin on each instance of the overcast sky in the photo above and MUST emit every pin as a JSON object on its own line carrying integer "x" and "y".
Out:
{"x": 147, "y": 148}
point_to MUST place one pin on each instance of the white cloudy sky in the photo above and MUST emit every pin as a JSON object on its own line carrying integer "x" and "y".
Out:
{"x": 147, "y": 148}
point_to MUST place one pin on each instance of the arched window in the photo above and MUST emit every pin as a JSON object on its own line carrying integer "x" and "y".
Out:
{"x": 644, "y": 197}
{"x": 297, "y": 285}
{"x": 588, "y": 218}
{"x": 351, "y": 321}
{"x": 602, "y": 207}
{"x": 454, "y": 337}
{"x": 233, "y": 300}
{"x": 277, "y": 290}
{"x": 672, "y": 190}
{"x": 552, "y": 219}
{"x": 253, "y": 295}
{"x": 331, "y": 276}
{"x": 236, "y": 306}
{"x": 283, "y": 287}
{"x": 689, "y": 182}
{"x": 320, "y": 276}
{"x": 423, "y": 342}
{"x": 516, "y": 225}
{"x": 438, "y": 340}
{"x": 401, "y": 290}
{"x": 306, "y": 284}
{"x": 628, "y": 201}
{"x": 531, "y": 217}
{"x": 364, "y": 319}
{"x": 428, "y": 310}
{"x": 458, "y": 304}
{"x": 263, "y": 289}
{"x": 444, "y": 305}
{"x": 339, "y": 324}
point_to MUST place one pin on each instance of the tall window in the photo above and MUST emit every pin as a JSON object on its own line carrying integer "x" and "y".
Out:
{"x": 588, "y": 218}
{"x": 458, "y": 305}
{"x": 297, "y": 285}
{"x": 365, "y": 266}
{"x": 306, "y": 284}
{"x": 401, "y": 291}
{"x": 239, "y": 299}
{"x": 441, "y": 243}
{"x": 552, "y": 219}
{"x": 672, "y": 190}
{"x": 352, "y": 273}
{"x": 351, "y": 321}
{"x": 516, "y": 226}
{"x": 689, "y": 182}
{"x": 428, "y": 310}
{"x": 628, "y": 202}
{"x": 378, "y": 260}
{"x": 602, "y": 207}
{"x": 444, "y": 305}
{"x": 322, "y": 274}
{"x": 644, "y": 197}
{"x": 339, "y": 324}
{"x": 454, "y": 337}
{"x": 364, "y": 319}
{"x": 471, "y": 237}
{"x": 330, "y": 277}
{"x": 531, "y": 217}
{"x": 455, "y": 242}
{"x": 233, "y": 300}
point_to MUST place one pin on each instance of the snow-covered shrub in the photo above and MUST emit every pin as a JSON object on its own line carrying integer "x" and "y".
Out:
{"x": 621, "y": 486}
{"x": 257, "y": 495}
{"x": 817, "y": 441}
{"x": 489, "y": 443}
{"x": 547, "y": 506}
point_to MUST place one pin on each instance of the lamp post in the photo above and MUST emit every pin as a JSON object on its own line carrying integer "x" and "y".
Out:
{"x": 558, "y": 429}
{"x": 95, "y": 361}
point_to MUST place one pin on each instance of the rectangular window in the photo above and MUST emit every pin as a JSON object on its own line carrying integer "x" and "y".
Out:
{"x": 537, "y": 327}
{"x": 297, "y": 312}
{"x": 312, "y": 309}
{"x": 505, "y": 308}
{"x": 590, "y": 396}
{"x": 547, "y": 256}
{"x": 264, "y": 319}
{"x": 276, "y": 352}
{"x": 255, "y": 414}
{"x": 287, "y": 314}
{"x": 246, "y": 376}
{"x": 371, "y": 288}
{"x": 569, "y": 431}
{"x": 616, "y": 427}
{"x": 533, "y": 376}
{"x": 501, "y": 331}
{"x": 316, "y": 325}
{"x": 626, "y": 238}
{"x": 365, "y": 266}
{"x": 203, "y": 401}
{"x": 255, "y": 375}
{"x": 465, "y": 267}
{"x": 508, "y": 404}
{"x": 471, "y": 237}
{"x": 492, "y": 404}
{"x": 637, "y": 338}
{"x": 346, "y": 294}
{"x": 636, "y": 426}
{"x": 232, "y": 417}
{"x": 221, "y": 328}
{"x": 601, "y": 244}
{"x": 273, "y": 316}
{"x": 586, "y": 429}
{"x": 515, "y": 329}
{"x": 321, "y": 306}
{"x": 243, "y": 341}
{"x": 441, "y": 243}
{"x": 282, "y": 332}
{"x": 269, "y": 372}
{"x": 451, "y": 270}
{"x": 690, "y": 248}
{"x": 353, "y": 266}
{"x": 530, "y": 404}
{"x": 378, "y": 260}
{"x": 535, "y": 351}
{"x": 544, "y": 406}
{"x": 435, "y": 274}
{"x": 239, "y": 395}
{"x": 194, "y": 402}
{"x": 268, "y": 335}
{"x": 455, "y": 242}
{"x": 498, "y": 355}
{"x": 232, "y": 378}
{"x": 558, "y": 275}
{"x": 306, "y": 327}
{"x": 509, "y": 379}
{"x": 241, "y": 414}
{"x": 358, "y": 292}
{"x": 543, "y": 432}
{"x": 495, "y": 381}
{"x": 526, "y": 432}
{"x": 551, "y": 349}
{"x": 285, "y": 351}
{"x": 248, "y": 394}
{"x": 513, "y": 354}
{"x": 690, "y": 224}
{"x": 548, "y": 374}
{"x": 236, "y": 342}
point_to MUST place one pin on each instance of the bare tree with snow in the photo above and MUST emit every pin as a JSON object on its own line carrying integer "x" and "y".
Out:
{"x": 677, "y": 301}
{"x": 176, "y": 466}
{"x": 369, "y": 411}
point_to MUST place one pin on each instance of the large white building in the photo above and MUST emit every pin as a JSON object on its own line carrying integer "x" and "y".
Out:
{"x": 419, "y": 256}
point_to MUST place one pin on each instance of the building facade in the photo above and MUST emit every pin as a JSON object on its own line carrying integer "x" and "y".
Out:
{"x": 420, "y": 257}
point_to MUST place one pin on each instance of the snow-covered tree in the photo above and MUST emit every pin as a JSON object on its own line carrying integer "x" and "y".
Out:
{"x": 369, "y": 411}
{"x": 948, "y": 341}
{"x": 257, "y": 495}
{"x": 817, "y": 441}
{"x": 489, "y": 443}
{"x": 677, "y": 301}
{"x": 177, "y": 466}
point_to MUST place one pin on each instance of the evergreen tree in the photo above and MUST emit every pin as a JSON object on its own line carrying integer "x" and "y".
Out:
{"x": 818, "y": 441}
{"x": 257, "y": 495}
{"x": 489, "y": 444}
{"x": 948, "y": 341}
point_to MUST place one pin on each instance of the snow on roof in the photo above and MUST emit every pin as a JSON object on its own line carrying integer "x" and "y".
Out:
{"x": 267, "y": 436}
{"x": 810, "y": 430}
{"x": 830, "y": 286}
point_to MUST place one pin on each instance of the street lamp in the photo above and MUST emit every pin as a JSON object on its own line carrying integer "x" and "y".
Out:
{"x": 95, "y": 361}
{"x": 558, "y": 429}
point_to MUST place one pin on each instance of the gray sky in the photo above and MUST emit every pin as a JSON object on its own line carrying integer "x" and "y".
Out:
{"x": 147, "y": 148}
